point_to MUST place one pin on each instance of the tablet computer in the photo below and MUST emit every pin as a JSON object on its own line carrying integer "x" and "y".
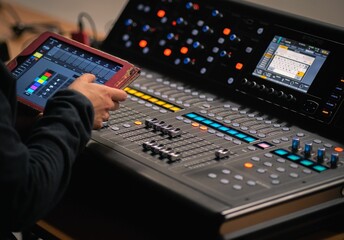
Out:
{"x": 52, "y": 62}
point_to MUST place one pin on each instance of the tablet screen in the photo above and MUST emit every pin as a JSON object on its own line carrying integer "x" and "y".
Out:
{"x": 54, "y": 65}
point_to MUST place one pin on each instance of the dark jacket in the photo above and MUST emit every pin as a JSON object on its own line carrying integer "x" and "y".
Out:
{"x": 34, "y": 174}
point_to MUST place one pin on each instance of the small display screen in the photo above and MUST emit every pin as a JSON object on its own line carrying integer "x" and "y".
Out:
{"x": 54, "y": 65}
{"x": 291, "y": 63}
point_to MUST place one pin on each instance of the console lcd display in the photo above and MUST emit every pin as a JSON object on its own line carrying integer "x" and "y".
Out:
{"x": 52, "y": 62}
{"x": 291, "y": 63}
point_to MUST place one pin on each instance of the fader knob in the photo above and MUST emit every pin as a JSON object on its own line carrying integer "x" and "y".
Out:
{"x": 148, "y": 145}
{"x": 173, "y": 156}
{"x": 308, "y": 149}
{"x": 334, "y": 160}
{"x": 221, "y": 153}
{"x": 174, "y": 132}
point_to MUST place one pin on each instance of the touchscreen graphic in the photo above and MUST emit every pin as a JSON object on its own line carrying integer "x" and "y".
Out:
{"x": 55, "y": 65}
{"x": 291, "y": 63}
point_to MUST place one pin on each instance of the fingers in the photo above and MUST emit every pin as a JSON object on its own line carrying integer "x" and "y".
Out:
{"x": 118, "y": 95}
{"x": 87, "y": 77}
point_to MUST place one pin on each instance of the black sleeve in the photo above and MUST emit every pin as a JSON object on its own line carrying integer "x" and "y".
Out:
{"x": 34, "y": 175}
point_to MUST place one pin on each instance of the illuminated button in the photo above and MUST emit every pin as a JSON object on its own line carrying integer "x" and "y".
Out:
{"x": 143, "y": 43}
{"x": 203, "y": 128}
{"x": 208, "y": 122}
{"x": 180, "y": 20}
{"x": 306, "y": 162}
{"x": 207, "y": 29}
{"x": 216, "y": 125}
{"x": 216, "y": 13}
{"x": 128, "y": 22}
{"x": 167, "y": 52}
{"x": 184, "y": 50}
{"x": 338, "y": 149}
{"x": 168, "y": 105}
{"x": 153, "y": 100}
{"x": 326, "y": 113}
{"x": 170, "y": 36}
{"x": 175, "y": 109}
{"x": 160, "y": 103}
{"x": 139, "y": 94}
{"x": 239, "y": 66}
{"x": 145, "y": 28}
{"x": 293, "y": 157}
{"x": 248, "y": 165}
{"x": 226, "y": 31}
{"x": 194, "y": 124}
{"x": 161, "y": 13}
{"x": 145, "y": 97}
{"x": 191, "y": 115}
{"x": 199, "y": 118}
{"x": 319, "y": 168}
{"x": 281, "y": 152}
{"x": 132, "y": 91}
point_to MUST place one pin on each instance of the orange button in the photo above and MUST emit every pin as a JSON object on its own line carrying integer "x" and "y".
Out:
{"x": 338, "y": 149}
{"x": 138, "y": 123}
{"x": 194, "y": 124}
{"x": 143, "y": 43}
{"x": 248, "y": 165}
{"x": 226, "y": 31}
{"x": 239, "y": 66}
{"x": 204, "y": 128}
{"x": 161, "y": 13}
{"x": 167, "y": 52}
{"x": 184, "y": 50}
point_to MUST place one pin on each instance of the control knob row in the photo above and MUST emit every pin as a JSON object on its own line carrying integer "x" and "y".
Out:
{"x": 307, "y": 151}
{"x": 268, "y": 90}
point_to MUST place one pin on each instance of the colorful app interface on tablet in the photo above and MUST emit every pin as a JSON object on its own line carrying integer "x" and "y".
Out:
{"x": 54, "y": 65}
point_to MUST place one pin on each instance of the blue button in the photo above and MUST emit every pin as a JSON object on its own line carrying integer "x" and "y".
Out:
{"x": 216, "y": 125}
{"x": 232, "y": 132}
{"x": 241, "y": 135}
{"x": 249, "y": 139}
{"x": 319, "y": 168}
{"x": 306, "y": 162}
{"x": 281, "y": 152}
{"x": 223, "y": 128}
{"x": 199, "y": 119}
{"x": 207, "y": 121}
{"x": 293, "y": 157}
{"x": 191, "y": 115}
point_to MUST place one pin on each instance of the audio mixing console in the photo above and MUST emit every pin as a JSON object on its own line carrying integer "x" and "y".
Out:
{"x": 238, "y": 110}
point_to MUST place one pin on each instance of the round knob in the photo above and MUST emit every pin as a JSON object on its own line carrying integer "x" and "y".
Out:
{"x": 321, "y": 155}
{"x": 334, "y": 160}
{"x": 308, "y": 149}
{"x": 295, "y": 144}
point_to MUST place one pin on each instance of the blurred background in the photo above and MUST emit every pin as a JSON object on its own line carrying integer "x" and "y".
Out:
{"x": 104, "y": 12}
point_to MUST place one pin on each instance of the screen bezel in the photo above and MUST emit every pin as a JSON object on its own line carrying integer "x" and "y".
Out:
{"x": 121, "y": 79}
{"x": 319, "y": 87}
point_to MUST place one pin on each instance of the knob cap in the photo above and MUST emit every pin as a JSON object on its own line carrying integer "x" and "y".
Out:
{"x": 308, "y": 149}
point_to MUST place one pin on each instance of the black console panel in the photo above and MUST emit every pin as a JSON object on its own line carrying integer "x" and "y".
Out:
{"x": 238, "y": 112}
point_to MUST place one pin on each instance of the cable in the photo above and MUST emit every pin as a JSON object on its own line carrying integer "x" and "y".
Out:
{"x": 81, "y": 36}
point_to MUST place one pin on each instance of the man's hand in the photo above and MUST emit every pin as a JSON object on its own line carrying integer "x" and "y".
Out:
{"x": 103, "y": 98}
